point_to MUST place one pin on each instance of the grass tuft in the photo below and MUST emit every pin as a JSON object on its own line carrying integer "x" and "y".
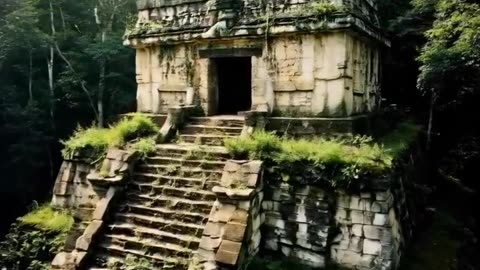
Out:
{"x": 95, "y": 141}
{"x": 48, "y": 219}
{"x": 145, "y": 146}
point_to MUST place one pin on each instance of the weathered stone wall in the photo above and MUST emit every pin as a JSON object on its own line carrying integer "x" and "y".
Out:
{"x": 329, "y": 74}
{"x": 88, "y": 191}
{"x": 320, "y": 227}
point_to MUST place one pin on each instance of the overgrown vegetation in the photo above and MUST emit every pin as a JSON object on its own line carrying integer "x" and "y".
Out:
{"x": 325, "y": 7}
{"x": 34, "y": 239}
{"x": 334, "y": 162}
{"x": 94, "y": 141}
{"x": 48, "y": 219}
{"x": 145, "y": 146}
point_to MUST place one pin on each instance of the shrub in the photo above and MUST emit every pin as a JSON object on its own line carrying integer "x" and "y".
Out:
{"x": 93, "y": 142}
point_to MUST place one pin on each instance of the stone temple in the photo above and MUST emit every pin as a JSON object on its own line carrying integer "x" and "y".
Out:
{"x": 305, "y": 67}
{"x": 310, "y": 57}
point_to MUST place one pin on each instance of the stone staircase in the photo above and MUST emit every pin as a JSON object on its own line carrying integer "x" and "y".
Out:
{"x": 169, "y": 199}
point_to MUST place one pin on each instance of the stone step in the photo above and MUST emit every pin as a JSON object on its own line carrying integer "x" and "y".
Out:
{"x": 177, "y": 215}
{"x": 204, "y": 139}
{"x": 220, "y": 120}
{"x": 172, "y": 203}
{"x": 159, "y": 261}
{"x": 166, "y": 225}
{"x": 206, "y": 129}
{"x": 179, "y": 192}
{"x": 179, "y": 170}
{"x": 188, "y": 161}
{"x": 181, "y": 150}
{"x": 187, "y": 241}
{"x": 173, "y": 181}
{"x": 148, "y": 245}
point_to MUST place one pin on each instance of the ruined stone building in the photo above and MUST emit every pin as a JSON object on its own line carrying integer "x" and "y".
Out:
{"x": 313, "y": 57}
{"x": 247, "y": 65}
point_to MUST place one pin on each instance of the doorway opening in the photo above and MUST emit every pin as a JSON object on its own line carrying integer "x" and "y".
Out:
{"x": 234, "y": 79}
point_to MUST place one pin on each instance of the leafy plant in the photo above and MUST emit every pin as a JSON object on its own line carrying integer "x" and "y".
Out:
{"x": 34, "y": 239}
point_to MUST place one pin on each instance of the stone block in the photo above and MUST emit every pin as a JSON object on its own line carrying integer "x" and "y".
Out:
{"x": 357, "y": 230}
{"x": 228, "y": 252}
{"x": 206, "y": 255}
{"x": 232, "y": 166}
{"x": 313, "y": 259}
{"x": 213, "y": 229}
{"x": 64, "y": 260}
{"x": 255, "y": 240}
{"x": 380, "y": 219}
{"x": 349, "y": 258}
{"x": 372, "y": 247}
{"x": 245, "y": 205}
{"x": 224, "y": 213}
{"x": 240, "y": 194}
{"x": 267, "y": 205}
{"x": 61, "y": 188}
{"x": 373, "y": 232}
{"x": 80, "y": 259}
{"x": 382, "y": 196}
{"x": 367, "y": 261}
{"x": 209, "y": 244}
{"x": 271, "y": 244}
{"x": 116, "y": 154}
{"x": 252, "y": 180}
{"x": 92, "y": 230}
{"x": 256, "y": 222}
{"x": 104, "y": 204}
{"x": 342, "y": 216}
{"x": 357, "y": 216}
{"x": 239, "y": 216}
{"x": 234, "y": 232}
{"x": 380, "y": 207}
{"x": 368, "y": 218}
{"x": 228, "y": 178}
{"x": 356, "y": 244}
{"x": 253, "y": 167}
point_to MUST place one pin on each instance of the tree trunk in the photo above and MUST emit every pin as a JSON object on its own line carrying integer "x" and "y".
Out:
{"x": 50, "y": 68}
{"x": 30, "y": 77}
{"x": 430, "y": 120}
{"x": 101, "y": 87}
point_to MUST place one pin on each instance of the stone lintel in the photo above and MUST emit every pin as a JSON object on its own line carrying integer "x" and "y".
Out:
{"x": 229, "y": 52}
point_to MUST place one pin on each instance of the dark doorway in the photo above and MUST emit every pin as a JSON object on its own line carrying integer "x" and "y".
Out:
{"x": 234, "y": 77}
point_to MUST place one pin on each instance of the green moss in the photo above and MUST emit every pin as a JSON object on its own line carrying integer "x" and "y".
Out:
{"x": 48, "y": 219}
{"x": 95, "y": 141}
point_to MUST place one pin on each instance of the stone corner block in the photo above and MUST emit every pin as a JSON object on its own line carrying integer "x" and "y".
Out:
{"x": 229, "y": 252}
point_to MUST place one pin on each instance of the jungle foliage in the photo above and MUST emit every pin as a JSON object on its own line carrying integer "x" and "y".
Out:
{"x": 34, "y": 239}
